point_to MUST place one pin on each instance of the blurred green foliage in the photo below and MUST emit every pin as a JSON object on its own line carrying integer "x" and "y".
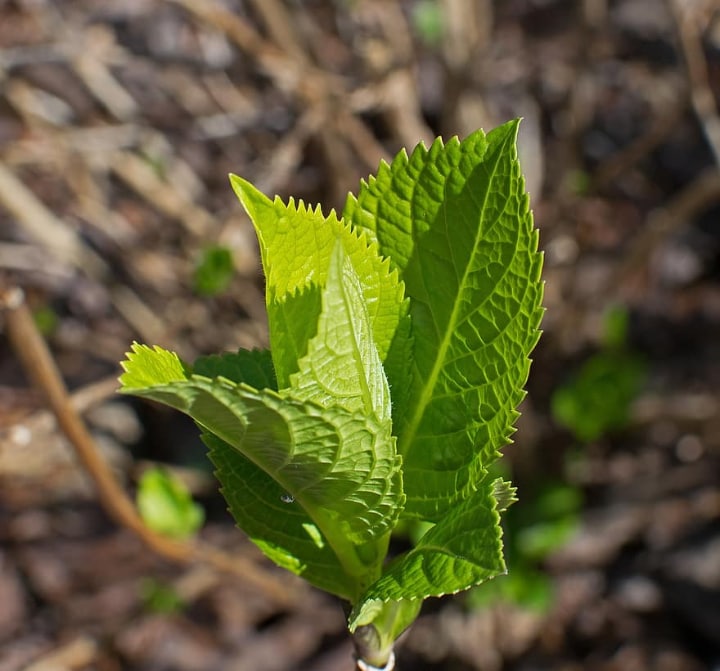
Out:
{"x": 166, "y": 505}
{"x": 598, "y": 396}
{"x": 159, "y": 597}
{"x": 577, "y": 182}
{"x": 533, "y": 528}
{"x": 214, "y": 271}
{"x": 46, "y": 319}
{"x": 428, "y": 20}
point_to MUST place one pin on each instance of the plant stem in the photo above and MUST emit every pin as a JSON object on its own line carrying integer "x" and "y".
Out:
{"x": 362, "y": 665}
{"x": 371, "y": 653}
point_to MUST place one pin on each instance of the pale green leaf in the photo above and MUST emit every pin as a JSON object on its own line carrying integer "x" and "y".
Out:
{"x": 342, "y": 366}
{"x": 505, "y": 494}
{"x": 455, "y": 222}
{"x": 296, "y": 243}
{"x": 462, "y": 550}
{"x": 147, "y": 366}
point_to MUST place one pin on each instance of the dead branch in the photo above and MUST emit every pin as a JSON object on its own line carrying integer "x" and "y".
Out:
{"x": 42, "y": 370}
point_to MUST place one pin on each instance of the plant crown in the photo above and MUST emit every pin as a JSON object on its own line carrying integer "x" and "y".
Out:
{"x": 400, "y": 336}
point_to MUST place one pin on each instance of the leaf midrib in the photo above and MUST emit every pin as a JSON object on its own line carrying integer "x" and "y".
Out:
{"x": 356, "y": 351}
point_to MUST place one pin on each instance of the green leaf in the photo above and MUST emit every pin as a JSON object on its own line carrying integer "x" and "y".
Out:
{"x": 504, "y": 494}
{"x": 462, "y": 550}
{"x": 296, "y": 244}
{"x": 455, "y": 222}
{"x": 275, "y": 522}
{"x": 340, "y": 467}
{"x": 400, "y": 340}
{"x": 148, "y": 366}
{"x": 167, "y": 506}
{"x": 342, "y": 366}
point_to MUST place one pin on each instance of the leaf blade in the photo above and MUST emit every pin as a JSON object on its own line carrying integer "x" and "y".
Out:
{"x": 288, "y": 535}
{"x": 455, "y": 221}
{"x": 252, "y": 367}
{"x": 342, "y": 366}
{"x": 296, "y": 244}
{"x": 341, "y": 467}
{"x": 462, "y": 550}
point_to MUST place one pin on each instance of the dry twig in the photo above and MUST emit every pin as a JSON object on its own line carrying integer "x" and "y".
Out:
{"x": 700, "y": 194}
{"x": 312, "y": 85}
{"x": 689, "y": 23}
{"x": 40, "y": 367}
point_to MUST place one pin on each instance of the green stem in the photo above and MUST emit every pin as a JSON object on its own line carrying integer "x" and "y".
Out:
{"x": 374, "y": 641}
{"x": 362, "y": 665}
{"x": 370, "y": 652}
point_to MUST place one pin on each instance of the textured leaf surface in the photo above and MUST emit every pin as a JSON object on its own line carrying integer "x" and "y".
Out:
{"x": 463, "y": 549}
{"x": 147, "y": 366}
{"x": 253, "y": 367}
{"x": 340, "y": 467}
{"x": 275, "y": 522}
{"x": 455, "y": 222}
{"x": 296, "y": 244}
{"x": 342, "y": 366}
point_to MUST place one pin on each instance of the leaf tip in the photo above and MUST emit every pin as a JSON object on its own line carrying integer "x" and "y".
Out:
{"x": 248, "y": 194}
{"x": 146, "y": 366}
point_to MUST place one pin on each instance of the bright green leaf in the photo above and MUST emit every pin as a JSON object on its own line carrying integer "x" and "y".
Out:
{"x": 148, "y": 366}
{"x": 455, "y": 222}
{"x": 341, "y": 467}
{"x": 461, "y": 550}
{"x": 400, "y": 338}
{"x": 296, "y": 244}
{"x": 342, "y": 366}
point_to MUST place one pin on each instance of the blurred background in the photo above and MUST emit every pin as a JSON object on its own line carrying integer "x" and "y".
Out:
{"x": 119, "y": 123}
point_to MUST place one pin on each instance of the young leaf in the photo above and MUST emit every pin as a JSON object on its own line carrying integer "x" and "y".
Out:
{"x": 455, "y": 222}
{"x": 342, "y": 366}
{"x": 262, "y": 509}
{"x": 463, "y": 549}
{"x": 341, "y": 467}
{"x": 296, "y": 244}
{"x": 149, "y": 366}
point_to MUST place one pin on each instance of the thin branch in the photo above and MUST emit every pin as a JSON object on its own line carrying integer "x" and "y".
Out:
{"x": 40, "y": 367}
{"x": 700, "y": 194}
{"x": 703, "y": 99}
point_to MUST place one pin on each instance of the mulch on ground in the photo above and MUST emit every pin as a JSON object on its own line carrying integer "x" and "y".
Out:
{"x": 119, "y": 123}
